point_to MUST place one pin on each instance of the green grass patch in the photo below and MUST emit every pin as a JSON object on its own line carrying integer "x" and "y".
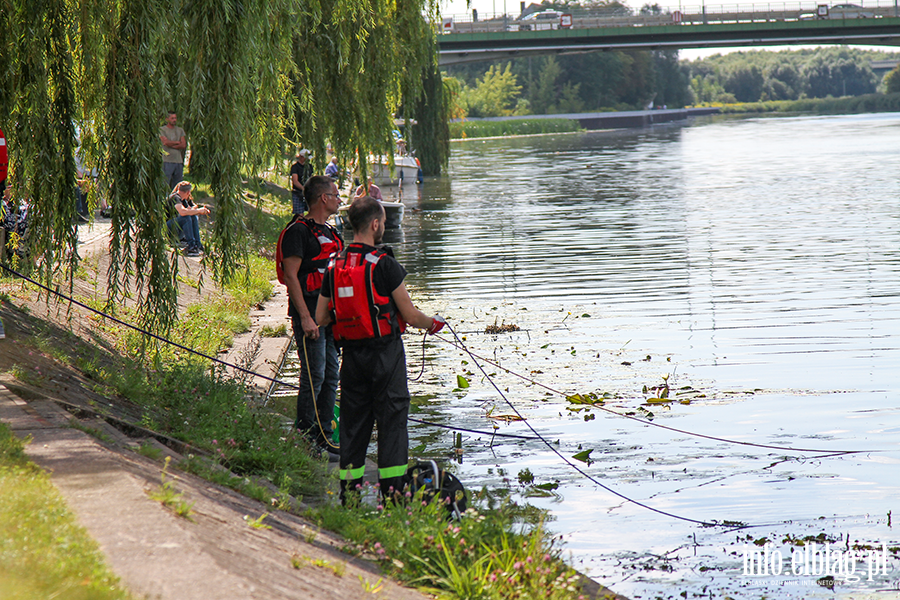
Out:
{"x": 489, "y": 554}
{"x": 868, "y": 103}
{"x": 166, "y": 494}
{"x": 208, "y": 409}
{"x": 480, "y": 129}
{"x": 44, "y": 553}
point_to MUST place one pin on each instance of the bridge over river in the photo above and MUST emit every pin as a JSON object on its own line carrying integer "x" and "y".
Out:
{"x": 498, "y": 36}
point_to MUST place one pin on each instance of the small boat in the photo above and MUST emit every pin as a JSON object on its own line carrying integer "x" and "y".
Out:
{"x": 393, "y": 215}
{"x": 406, "y": 170}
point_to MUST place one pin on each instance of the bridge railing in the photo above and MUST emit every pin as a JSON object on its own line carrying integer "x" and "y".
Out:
{"x": 688, "y": 15}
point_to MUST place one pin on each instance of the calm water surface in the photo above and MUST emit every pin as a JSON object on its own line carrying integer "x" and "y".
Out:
{"x": 752, "y": 262}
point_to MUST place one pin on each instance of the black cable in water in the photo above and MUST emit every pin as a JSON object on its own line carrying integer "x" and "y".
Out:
{"x": 459, "y": 345}
{"x": 578, "y": 469}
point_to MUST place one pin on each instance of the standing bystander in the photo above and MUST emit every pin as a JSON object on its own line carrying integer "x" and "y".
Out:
{"x": 363, "y": 294}
{"x": 301, "y": 171}
{"x": 301, "y": 256}
{"x": 174, "y": 144}
{"x": 4, "y": 164}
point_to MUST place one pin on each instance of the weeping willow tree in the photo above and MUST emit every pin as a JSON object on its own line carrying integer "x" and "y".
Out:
{"x": 247, "y": 77}
{"x": 431, "y": 129}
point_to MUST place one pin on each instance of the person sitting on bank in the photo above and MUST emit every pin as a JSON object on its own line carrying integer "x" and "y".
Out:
{"x": 187, "y": 221}
{"x": 332, "y": 170}
{"x": 373, "y": 191}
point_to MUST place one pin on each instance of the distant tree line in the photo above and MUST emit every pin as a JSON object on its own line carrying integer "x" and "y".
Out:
{"x": 594, "y": 81}
{"x": 635, "y": 79}
{"x": 760, "y": 76}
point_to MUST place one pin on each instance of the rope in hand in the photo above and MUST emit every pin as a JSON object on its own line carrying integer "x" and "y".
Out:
{"x": 459, "y": 344}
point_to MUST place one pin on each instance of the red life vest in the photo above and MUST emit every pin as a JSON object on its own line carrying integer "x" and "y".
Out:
{"x": 360, "y": 312}
{"x": 312, "y": 270}
{"x": 4, "y": 158}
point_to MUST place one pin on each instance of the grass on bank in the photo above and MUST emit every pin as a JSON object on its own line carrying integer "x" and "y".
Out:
{"x": 869, "y": 103}
{"x": 44, "y": 553}
{"x": 480, "y": 129}
{"x": 189, "y": 398}
{"x": 488, "y": 554}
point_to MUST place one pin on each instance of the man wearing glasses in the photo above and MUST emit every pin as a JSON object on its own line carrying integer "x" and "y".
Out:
{"x": 302, "y": 255}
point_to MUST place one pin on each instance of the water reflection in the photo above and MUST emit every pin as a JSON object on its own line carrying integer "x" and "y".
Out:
{"x": 754, "y": 261}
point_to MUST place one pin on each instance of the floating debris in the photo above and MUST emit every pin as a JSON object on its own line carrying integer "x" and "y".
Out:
{"x": 502, "y": 328}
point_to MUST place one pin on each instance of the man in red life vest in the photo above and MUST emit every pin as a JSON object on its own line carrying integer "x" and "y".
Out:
{"x": 301, "y": 256}
{"x": 364, "y": 299}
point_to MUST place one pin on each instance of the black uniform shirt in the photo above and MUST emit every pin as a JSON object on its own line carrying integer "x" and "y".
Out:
{"x": 300, "y": 241}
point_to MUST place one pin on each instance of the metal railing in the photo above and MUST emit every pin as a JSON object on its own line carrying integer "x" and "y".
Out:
{"x": 687, "y": 15}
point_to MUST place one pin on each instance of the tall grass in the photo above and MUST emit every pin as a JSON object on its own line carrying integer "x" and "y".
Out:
{"x": 481, "y": 556}
{"x": 825, "y": 106}
{"x": 479, "y": 129}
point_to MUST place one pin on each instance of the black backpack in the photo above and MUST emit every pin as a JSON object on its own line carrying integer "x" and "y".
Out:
{"x": 433, "y": 481}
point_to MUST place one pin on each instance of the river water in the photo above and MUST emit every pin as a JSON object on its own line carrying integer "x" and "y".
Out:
{"x": 752, "y": 265}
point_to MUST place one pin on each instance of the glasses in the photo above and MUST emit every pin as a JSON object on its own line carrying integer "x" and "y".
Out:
{"x": 335, "y": 195}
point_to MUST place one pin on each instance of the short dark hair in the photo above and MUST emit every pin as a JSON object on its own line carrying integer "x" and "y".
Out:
{"x": 172, "y": 112}
{"x": 363, "y": 211}
{"x": 315, "y": 186}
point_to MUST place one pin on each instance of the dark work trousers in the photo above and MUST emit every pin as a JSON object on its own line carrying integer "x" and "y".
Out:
{"x": 374, "y": 390}
{"x": 314, "y": 416}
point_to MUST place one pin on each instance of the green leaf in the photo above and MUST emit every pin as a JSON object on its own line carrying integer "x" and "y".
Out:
{"x": 462, "y": 382}
{"x": 584, "y": 456}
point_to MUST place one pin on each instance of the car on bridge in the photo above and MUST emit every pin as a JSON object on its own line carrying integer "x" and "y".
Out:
{"x": 537, "y": 21}
{"x": 849, "y": 11}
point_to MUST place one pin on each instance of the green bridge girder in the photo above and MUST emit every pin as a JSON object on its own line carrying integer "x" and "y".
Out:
{"x": 456, "y": 48}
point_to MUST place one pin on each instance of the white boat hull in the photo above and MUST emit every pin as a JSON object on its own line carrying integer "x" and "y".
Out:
{"x": 406, "y": 170}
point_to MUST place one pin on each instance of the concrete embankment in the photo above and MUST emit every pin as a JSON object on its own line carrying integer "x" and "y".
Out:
{"x": 621, "y": 119}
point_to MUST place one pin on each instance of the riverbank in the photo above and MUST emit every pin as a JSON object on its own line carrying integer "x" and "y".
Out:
{"x": 868, "y": 103}
{"x": 571, "y": 122}
{"x": 105, "y": 466}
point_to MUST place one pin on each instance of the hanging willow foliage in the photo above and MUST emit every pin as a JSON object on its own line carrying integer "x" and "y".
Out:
{"x": 41, "y": 107}
{"x": 246, "y": 77}
{"x": 431, "y": 131}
